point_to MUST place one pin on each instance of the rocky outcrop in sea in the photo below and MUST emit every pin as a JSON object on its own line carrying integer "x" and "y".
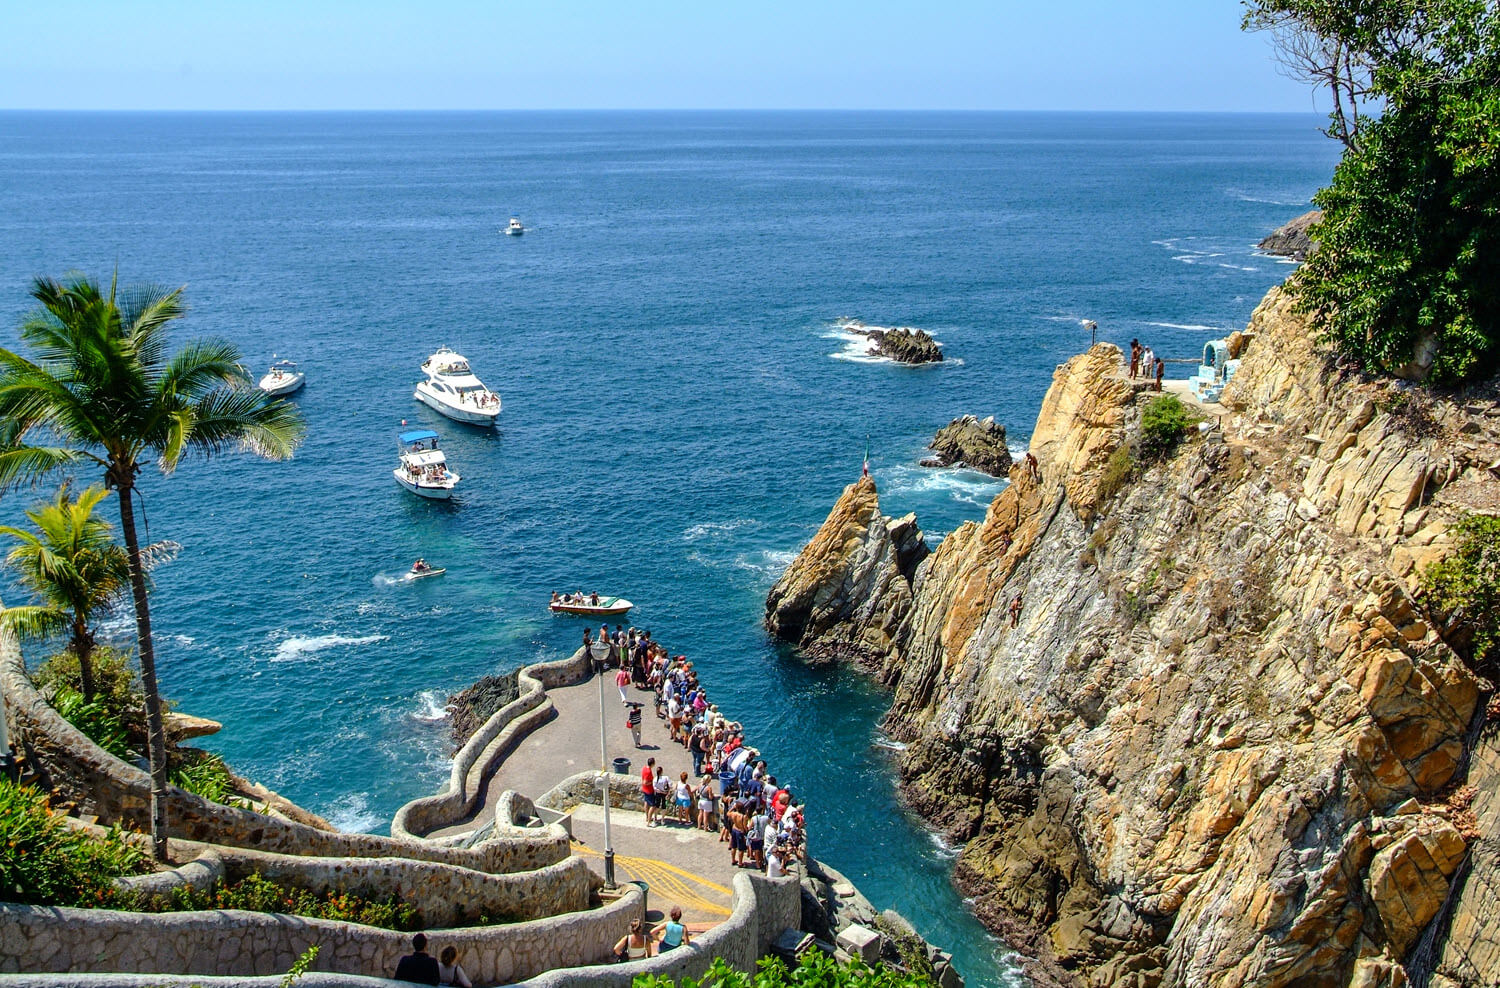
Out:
{"x": 906, "y": 346}
{"x": 469, "y": 708}
{"x": 1291, "y": 240}
{"x": 1192, "y": 723}
{"x": 971, "y": 442}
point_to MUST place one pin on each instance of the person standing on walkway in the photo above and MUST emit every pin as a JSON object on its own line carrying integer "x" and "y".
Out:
{"x": 648, "y": 789}
{"x": 663, "y": 787}
{"x": 633, "y": 721}
{"x": 450, "y": 972}
{"x": 1161, "y": 368}
{"x": 419, "y": 967}
{"x": 684, "y": 800}
{"x": 622, "y": 680}
{"x": 1135, "y": 358}
{"x": 671, "y": 934}
{"x": 634, "y": 945}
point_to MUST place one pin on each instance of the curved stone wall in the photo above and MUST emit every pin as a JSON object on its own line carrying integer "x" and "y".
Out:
{"x": 80, "y": 771}
{"x": 233, "y": 943}
{"x": 495, "y": 739}
{"x": 763, "y": 908}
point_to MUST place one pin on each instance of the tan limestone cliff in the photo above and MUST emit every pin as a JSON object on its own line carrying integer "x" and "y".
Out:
{"x": 1214, "y": 744}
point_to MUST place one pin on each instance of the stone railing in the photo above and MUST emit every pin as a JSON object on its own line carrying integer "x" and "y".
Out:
{"x": 763, "y": 909}
{"x": 80, "y": 771}
{"x": 248, "y": 945}
{"x": 477, "y": 760}
{"x": 624, "y": 792}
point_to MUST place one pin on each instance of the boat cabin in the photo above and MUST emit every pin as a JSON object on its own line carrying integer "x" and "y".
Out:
{"x": 420, "y": 448}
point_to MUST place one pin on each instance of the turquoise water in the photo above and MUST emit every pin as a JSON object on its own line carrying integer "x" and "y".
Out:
{"x": 680, "y": 411}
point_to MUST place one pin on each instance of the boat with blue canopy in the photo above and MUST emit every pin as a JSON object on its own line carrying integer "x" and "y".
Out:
{"x": 422, "y": 467}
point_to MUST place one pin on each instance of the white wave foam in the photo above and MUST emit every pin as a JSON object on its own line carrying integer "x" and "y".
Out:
{"x": 714, "y": 529}
{"x": 385, "y": 580}
{"x": 881, "y": 741}
{"x": 765, "y": 562}
{"x": 186, "y": 641}
{"x": 962, "y": 485}
{"x": 945, "y": 847}
{"x": 432, "y": 707}
{"x": 1195, "y": 327}
{"x": 298, "y": 647}
{"x": 351, "y": 814}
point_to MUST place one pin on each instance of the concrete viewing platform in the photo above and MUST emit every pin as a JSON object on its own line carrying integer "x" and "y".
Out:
{"x": 680, "y": 864}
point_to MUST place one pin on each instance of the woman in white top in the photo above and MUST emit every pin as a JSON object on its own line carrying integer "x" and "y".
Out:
{"x": 449, "y": 971}
{"x": 634, "y": 945}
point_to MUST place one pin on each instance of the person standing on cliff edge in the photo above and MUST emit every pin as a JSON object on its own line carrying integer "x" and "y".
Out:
{"x": 1161, "y": 368}
{"x": 1135, "y": 358}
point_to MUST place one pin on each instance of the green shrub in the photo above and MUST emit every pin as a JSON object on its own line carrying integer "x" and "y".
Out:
{"x": 813, "y": 970}
{"x": 1117, "y": 471}
{"x": 258, "y": 894}
{"x": 1464, "y": 588}
{"x": 206, "y": 775}
{"x": 94, "y": 720}
{"x": 1163, "y": 422}
{"x": 45, "y": 862}
{"x": 117, "y": 687}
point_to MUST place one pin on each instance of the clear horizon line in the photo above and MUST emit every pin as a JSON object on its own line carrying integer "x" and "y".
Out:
{"x": 644, "y": 109}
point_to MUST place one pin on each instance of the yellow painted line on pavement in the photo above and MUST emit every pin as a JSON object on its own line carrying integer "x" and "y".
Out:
{"x": 667, "y": 880}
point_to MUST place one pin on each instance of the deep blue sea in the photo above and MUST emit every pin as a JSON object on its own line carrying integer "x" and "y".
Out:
{"x": 680, "y": 408}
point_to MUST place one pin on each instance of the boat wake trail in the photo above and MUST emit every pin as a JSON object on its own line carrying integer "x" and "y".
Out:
{"x": 300, "y": 648}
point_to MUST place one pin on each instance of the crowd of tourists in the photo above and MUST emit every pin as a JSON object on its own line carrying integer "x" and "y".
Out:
{"x": 730, "y": 790}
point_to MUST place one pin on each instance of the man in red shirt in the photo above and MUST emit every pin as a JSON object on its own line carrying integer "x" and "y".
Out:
{"x": 648, "y": 789}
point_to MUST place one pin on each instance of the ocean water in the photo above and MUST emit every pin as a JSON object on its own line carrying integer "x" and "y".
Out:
{"x": 681, "y": 405}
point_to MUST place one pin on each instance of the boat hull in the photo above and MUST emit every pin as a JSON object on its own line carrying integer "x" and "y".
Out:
{"x": 285, "y": 387}
{"x": 434, "y": 493}
{"x": 413, "y": 576}
{"x": 472, "y": 416}
{"x": 584, "y": 610}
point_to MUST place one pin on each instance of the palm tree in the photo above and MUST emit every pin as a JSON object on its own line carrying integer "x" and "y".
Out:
{"x": 72, "y": 565}
{"x": 98, "y": 386}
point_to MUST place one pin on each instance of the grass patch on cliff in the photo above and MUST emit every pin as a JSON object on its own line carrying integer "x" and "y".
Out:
{"x": 1464, "y": 590}
{"x": 258, "y": 894}
{"x": 813, "y": 970}
{"x": 1118, "y": 470}
{"x": 44, "y": 862}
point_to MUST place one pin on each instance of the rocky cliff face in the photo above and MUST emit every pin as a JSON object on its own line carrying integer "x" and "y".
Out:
{"x": 1195, "y": 729}
{"x": 1291, "y": 240}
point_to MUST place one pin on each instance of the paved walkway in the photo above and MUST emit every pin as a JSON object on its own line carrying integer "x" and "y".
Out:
{"x": 682, "y": 865}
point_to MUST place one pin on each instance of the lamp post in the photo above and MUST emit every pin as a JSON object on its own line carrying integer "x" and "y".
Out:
{"x": 601, "y": 657}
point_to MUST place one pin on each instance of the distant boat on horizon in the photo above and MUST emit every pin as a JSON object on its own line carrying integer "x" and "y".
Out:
{"x": 283, "y": 378}
{"x": 514, "y": 228}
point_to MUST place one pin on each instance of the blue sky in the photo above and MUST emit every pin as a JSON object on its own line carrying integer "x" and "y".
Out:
{"x": 541, "y": 54}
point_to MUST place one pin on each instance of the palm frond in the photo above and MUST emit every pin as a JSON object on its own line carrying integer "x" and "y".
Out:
{"x": 159, "y": 554}
{"x": 33, "y": 621}
{"x": 145, "y": 313}
{"x": 21, "y": 465}
{"x": 245, "y": 418}
{"x": 201, "y": 366}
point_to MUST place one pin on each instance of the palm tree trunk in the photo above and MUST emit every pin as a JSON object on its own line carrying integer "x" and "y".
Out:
{"x": 156, "y": 734}
{"x": 83, "y": 648}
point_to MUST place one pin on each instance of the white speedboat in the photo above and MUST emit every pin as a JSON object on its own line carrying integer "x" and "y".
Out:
{"x": 514, "y": 229}
{"x": 451, "y": 389}
{"x": 283, "y": 378}
{"x": 422, "y": 467}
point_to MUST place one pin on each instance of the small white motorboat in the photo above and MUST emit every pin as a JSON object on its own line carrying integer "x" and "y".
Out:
{"x": 283, "y": 378}
{"x": 514, "y": 228}
{"x": 451, "y": 389}
{"x": 588, "y": 605}
{"x": 422, "y": 468}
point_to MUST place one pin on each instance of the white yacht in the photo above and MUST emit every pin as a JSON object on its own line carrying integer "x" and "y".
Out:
{"x": 422, "y": 467}
{"x": 514, "y": 229}
{"x": 283, "y": 378}
{"x": 451, "y": 389}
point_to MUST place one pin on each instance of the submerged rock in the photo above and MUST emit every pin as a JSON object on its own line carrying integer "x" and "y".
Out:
{"x": 971, "y": 442}
{"x": 1292, "y": 240}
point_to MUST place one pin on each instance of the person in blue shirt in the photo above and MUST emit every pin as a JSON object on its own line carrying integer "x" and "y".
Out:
{"x": 671, "y": 934}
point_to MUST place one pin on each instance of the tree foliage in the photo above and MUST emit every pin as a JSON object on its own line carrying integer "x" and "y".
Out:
{"x": 73, "y": 568}
{"x": 96, "y": 384}
{"x": 1163, "y": 422}
{"x": 1406, "y": 279}
{"x": 1464, "y": 587}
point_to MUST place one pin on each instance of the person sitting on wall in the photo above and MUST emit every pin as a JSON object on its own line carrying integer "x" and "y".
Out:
{"x": 419, "y": 967}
